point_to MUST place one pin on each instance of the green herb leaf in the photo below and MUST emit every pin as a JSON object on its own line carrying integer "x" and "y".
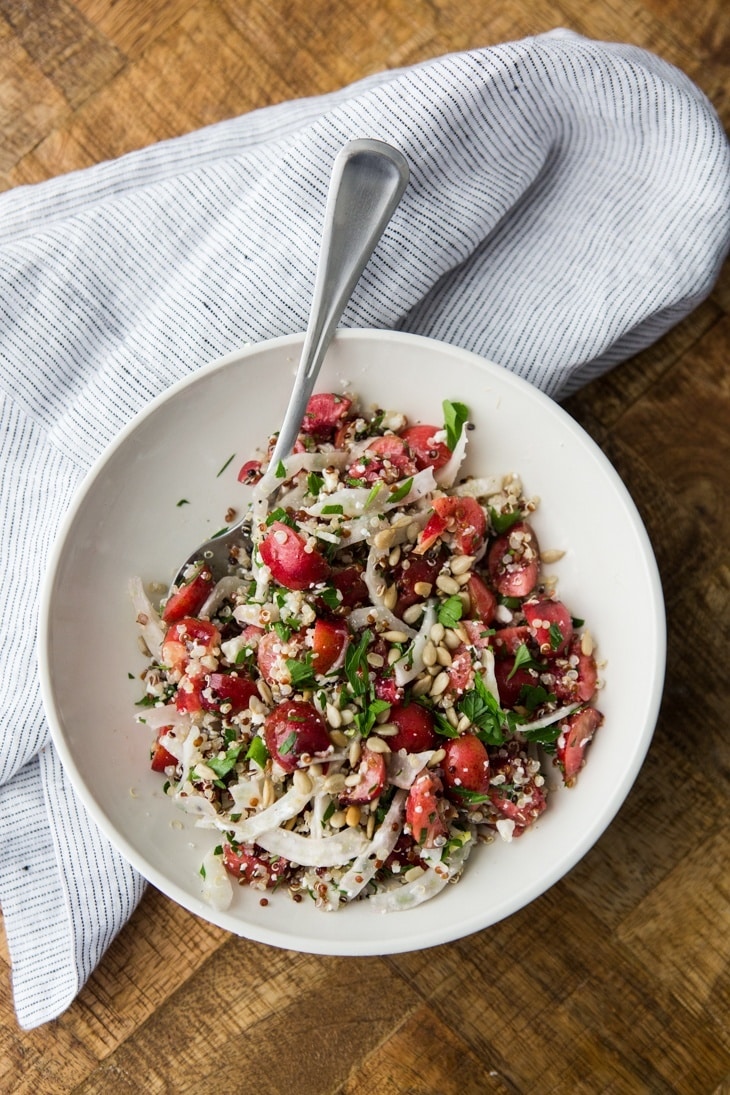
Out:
{"x": 503, "y": 521}
{"x": 282, "y": 630}
{"x": 280, "y": 472}
{"x": 483, "y": 711}
{"x": 401, "y": 491}
{"x": 280, "y": 514}
{"x": 288, "y": 743}
{"x": 556, "y": 636}
{"x": 545, "y": 735}
{"x": 450, "y": 611}
{"x": 301, "y": 671}
{"x": 257, "y": 751}
{"x": 328, "y": 812}
{"x": 223, "y": 765}
{"x": 314, "y": 483}
{"x": 356, "y": 666}
{"x": 331, "y": 597}
{"x": 375, "y": 491}
{"x": 334, "y": 508}
{"x": 473, "y": 797}
{"x": 510, "y": 602}
{"x": 455, "y": 415}
{"x": 201, "y": 872}
{"x": 443, "y": 726}
{"x": 523, "y": 660}
{"x": 533, "y": 696}
{"x": 365, "y": 720}
{"x": 225, "y": 465}
{"x": 183, "y": 502}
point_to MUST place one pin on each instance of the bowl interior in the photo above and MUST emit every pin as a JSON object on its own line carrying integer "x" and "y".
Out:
{"x": 128, "y": 519}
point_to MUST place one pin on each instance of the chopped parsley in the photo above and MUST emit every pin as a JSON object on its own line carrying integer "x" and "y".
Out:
{"x": 450, "y": 611}
{"x": 483, "y": 711}
{"x": 365, "y": 720}
{"x": 257, "y": 751}
{"x": 443, "y": 726}
{"x": 501, "y": 522}
{"x": 223, "y": 765}
{"x": 288, "y": 743}
{"x": 472, "y": 797}
{"x": 282, "y": 516}
{"x": 455, "y": 415}
{"x": 329, "y": 811}
{"x": 314, "y": 483}
{"x": 331, "y": 597}
{"x": 356, "y": 666}
{"x": 533, "y": 696}
{"x": 301, "y": 671}
{"x": 225, "y": 465}
{"x": 375, "y": 491}
{"x": 401, "y": 491}
{"x": 523, "y": 660}
{"x": 543, "y": 735}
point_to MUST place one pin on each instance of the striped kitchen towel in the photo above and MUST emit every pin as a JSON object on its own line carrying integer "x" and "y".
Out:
{"x": 569, "y": 202}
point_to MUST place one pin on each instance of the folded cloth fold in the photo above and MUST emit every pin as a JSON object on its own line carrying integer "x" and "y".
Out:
{"x": 569, "y": 202}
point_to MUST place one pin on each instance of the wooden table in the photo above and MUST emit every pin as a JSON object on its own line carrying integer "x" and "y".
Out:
{"x": 616, "y": 980}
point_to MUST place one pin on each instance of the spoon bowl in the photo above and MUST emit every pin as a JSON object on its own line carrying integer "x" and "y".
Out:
{"x": 368, "y": 180}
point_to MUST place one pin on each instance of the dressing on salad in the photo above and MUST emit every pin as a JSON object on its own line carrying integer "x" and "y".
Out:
{"x": 382, "y": 679}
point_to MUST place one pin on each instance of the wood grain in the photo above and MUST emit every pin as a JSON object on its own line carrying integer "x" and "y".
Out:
{"x": 618, "y": 979}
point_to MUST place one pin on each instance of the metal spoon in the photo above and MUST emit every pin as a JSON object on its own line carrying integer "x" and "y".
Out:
{"x": 368, "y": 180}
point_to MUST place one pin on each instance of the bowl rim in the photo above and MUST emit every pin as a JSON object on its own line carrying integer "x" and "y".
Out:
{"x": 332, "y": 946}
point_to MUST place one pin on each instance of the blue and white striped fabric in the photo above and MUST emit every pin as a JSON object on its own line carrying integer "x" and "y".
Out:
{"x": 569, "y": 203}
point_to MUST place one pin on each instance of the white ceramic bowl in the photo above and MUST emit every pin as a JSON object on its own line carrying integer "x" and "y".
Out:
{"x": 126, "y": 521}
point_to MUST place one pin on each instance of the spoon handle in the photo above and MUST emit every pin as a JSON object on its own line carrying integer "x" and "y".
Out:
{"x": 368, "y": 180}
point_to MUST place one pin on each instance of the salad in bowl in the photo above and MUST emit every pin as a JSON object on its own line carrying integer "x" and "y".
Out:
{"x": 382, "y": 679}
{"x": 450, "y": 528}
